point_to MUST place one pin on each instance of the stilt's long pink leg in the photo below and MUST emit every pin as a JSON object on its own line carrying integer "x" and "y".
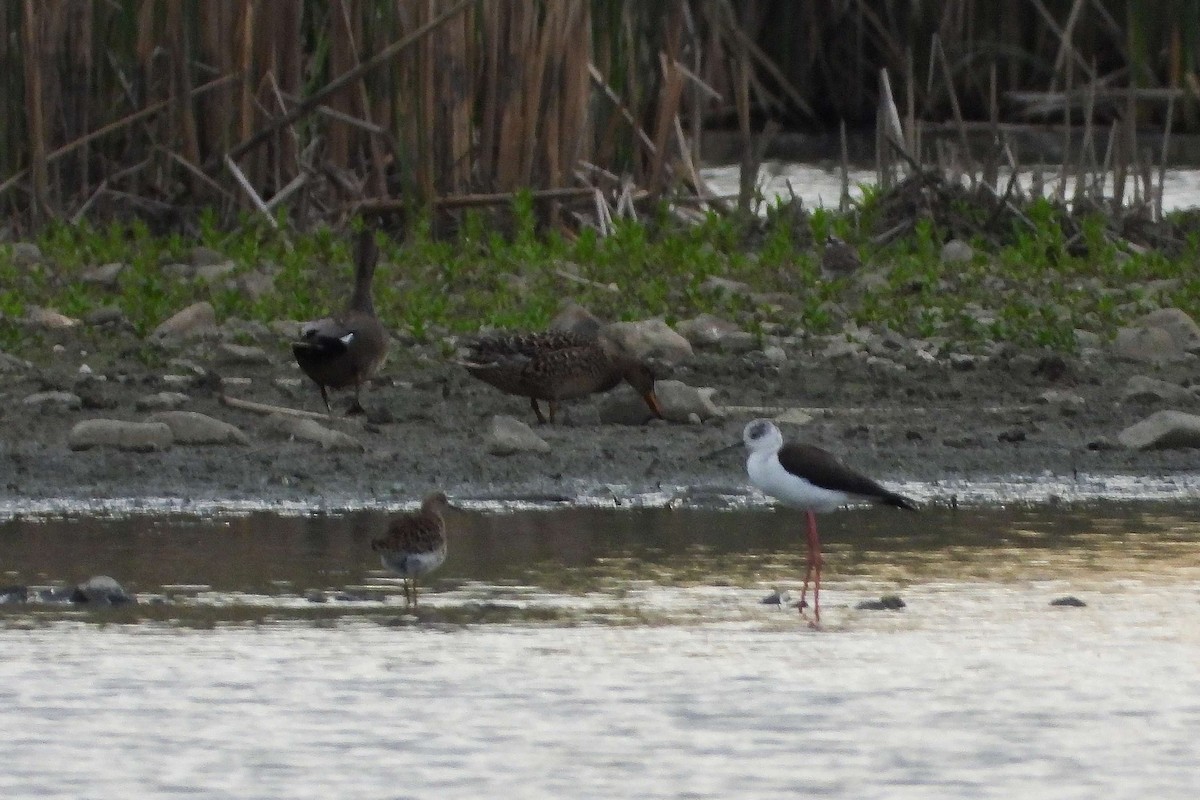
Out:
{"x": 813, "y": 568}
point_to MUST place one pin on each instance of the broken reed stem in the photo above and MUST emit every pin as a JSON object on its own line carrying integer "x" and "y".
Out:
{"x": 306, "y": 106}
{"x": 1162, "y": 161}
{"x": 240, "y": 177}
{"x": 114, "y": 126}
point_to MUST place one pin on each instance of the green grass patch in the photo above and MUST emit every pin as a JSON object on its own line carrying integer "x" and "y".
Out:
{"x": 1033, "y": 290}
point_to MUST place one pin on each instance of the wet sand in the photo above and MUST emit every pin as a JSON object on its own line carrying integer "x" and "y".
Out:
{"x": 942, "y": 423}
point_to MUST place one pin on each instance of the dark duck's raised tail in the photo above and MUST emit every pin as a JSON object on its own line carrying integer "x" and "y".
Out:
{"x": 346, "y": 349}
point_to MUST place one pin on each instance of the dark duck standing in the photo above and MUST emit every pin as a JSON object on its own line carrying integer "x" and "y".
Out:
{"x": 348, "y": 348}
{"x": 556, "y": 366}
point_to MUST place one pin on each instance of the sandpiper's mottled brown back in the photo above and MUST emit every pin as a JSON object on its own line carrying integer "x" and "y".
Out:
{"x": 422, "y": 531}
{"x": 555, "y": 366}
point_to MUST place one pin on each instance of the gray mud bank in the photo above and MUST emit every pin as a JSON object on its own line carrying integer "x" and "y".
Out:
{"x": 943, "y": 424}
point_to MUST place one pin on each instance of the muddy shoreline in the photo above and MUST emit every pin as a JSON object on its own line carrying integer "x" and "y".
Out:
{"x": 942, "y": 423}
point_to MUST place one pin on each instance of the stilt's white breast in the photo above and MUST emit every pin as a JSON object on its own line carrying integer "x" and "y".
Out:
{"x": 769, "y": 476}
{"x": 413, "y": 565}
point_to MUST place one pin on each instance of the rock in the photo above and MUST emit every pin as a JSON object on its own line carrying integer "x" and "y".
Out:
{"x": 178, "y": 271}
{"x": 48, "y": 318}
{"x": 10, "y": 364}
{"x": 211, "y": 272}
{"x": 624, "y": 406}
{"x": 956, "y": 251}
{"x": 95, "y": 392}
{"x": 234, "y": 329}
{"x": 137, "y": 436}
{"x": 310, "y": 430}
{"x": 576, "y": 319}
{"x": 706, "y": 330}
{"x": 889, "y": 602}
{"x": 192, "y": 427}
{"x": 54, "y": 401}
{"x": 161, "y": 401}
{"x": 509, "y": 435}
{"x": 774, "y": 354}
{"x": 841, "y": 347}
{"x": 738, "y": 342}
{"x": 242, "y": 354}
{"x": 1163, "y": 335}
{"x": 198, "y": 319}
{"x": 101, "y": 590}
{"x": 880, "y": 364}
{"x": 679, "y": 401}
{"x": 191, "y": 368}
{"x": 106, "y": 276}
{"x": 717, "y": 285}
{"x": 1147, "y": 345}
{"x": 12, "y": 595}
{"x": 1012, "y": 435}
{"x": 1069, "y": 601}
{"x": 963, "y": 362}
{"x": 1183, "y": 329}
{"x": 1087, "y": 340}
{"x": 285, "y": 328}
{"x": 106, "y": 316}
{"x": 1142, "y": 389}
{"x": 778, "y": 597}
{"x": 202, "y": 256}
{"x": 1162, "y": 430}
{"x": 255, "y": 284}
{"x": 24, "y": 254}
{"x": 1067, "y": 402}
{"x": 649, "y": 339}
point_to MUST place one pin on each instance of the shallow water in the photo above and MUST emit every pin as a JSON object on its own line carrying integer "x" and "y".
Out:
{"x": 609, "y": 652}
{"x": 822, "y": 187}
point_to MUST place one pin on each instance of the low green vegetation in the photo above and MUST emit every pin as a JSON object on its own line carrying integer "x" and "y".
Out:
{"x": 1034, "y": 288}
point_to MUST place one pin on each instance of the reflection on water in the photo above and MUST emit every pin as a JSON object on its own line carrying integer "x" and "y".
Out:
{"x": 597, "y": 653}
{"x": 818, "y": 186}
{"x": 263, "y": 559}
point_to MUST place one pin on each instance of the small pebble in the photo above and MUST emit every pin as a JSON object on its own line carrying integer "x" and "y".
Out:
{"x": 889, "y": 602}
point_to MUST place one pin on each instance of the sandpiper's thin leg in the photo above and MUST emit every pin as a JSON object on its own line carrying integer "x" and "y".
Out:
{"x": 414, "y": 582}
{"x": 553, "y": 410}
{"x": 537, "y": 410}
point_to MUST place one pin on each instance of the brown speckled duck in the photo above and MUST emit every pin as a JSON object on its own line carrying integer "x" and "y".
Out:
{"x": 556, "y": 366}
{"x": 415, "y": 544}
{"x": 348, "y": 348}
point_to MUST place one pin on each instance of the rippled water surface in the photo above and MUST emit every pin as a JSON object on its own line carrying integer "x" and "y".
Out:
{"x": 609, "y": 653}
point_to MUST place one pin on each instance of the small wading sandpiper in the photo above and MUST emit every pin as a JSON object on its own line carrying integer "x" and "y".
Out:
{"x": 556, "y": 366}
{"x": 807, "y": 477}
{"x": 415, "y": 544}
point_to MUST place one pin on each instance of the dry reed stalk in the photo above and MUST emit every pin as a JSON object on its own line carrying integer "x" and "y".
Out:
{"x": 318, "y": 97}
{"x": 668, "y": 111}
{"x": 1162, "y": 161}
{"x": 124, "y": 122}
{"x": 31, "y": 41}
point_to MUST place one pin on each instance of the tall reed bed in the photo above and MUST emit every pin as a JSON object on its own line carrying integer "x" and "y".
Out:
{"x": 317, "y": 109}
